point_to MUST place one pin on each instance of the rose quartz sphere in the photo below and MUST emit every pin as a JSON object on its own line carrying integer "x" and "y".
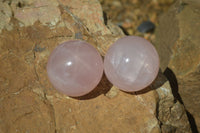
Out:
{"x": 131, "y": 63}
{"x": 75, "y": 68}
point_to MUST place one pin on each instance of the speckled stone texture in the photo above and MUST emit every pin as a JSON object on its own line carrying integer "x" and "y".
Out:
{"x": 29, "y": 103}
{"x": 5, "y": 16}
{"x": 177, "y": 42}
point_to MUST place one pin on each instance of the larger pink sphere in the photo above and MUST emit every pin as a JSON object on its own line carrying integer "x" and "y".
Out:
{"x": 131, "y": 63}
{"x": 75, "y": 68}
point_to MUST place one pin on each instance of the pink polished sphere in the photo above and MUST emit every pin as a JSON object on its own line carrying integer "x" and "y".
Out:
{"x": 75, "y": 68}
{"x": 131, "y": 63}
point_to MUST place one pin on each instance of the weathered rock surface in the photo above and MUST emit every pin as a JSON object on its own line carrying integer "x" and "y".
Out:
{"x": 171, "y": 112}
{"x": 177, "y": 42}
{"x": 5, "y": 16}
{"x": 28, "y": 102}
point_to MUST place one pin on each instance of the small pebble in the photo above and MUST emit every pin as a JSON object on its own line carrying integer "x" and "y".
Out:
{"x": 146, "y": 26}
{"x": 78, "y": 35}
{"x": 38, "y": 48}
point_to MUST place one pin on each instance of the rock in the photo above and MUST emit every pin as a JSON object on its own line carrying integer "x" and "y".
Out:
{"x": 129, "y": 14}
{"x": 146, "y": 26}
{"x": 94, "y": 12}
{"x": 177, "y": 42}
{"x": 171, "y": 112}
{"x": 24, "y": 111}
{"x": 5, "y": 16}
{"x": 110, "y": 114}
{"x": 29, "y": 103}
{"x": 177, "y": 38}
{"x": 28, "y": 12}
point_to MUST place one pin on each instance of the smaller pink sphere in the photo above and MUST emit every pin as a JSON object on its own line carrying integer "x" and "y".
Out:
{"x": 131, "y": 63}
{"x": 75, "y": 68}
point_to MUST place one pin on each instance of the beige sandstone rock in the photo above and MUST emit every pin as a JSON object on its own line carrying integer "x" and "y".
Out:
{"x": 29, "y": 103}
{"x": 177, "y": 42}
{"x": 171, "y": 113}
{"x": 5, "y": 16}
